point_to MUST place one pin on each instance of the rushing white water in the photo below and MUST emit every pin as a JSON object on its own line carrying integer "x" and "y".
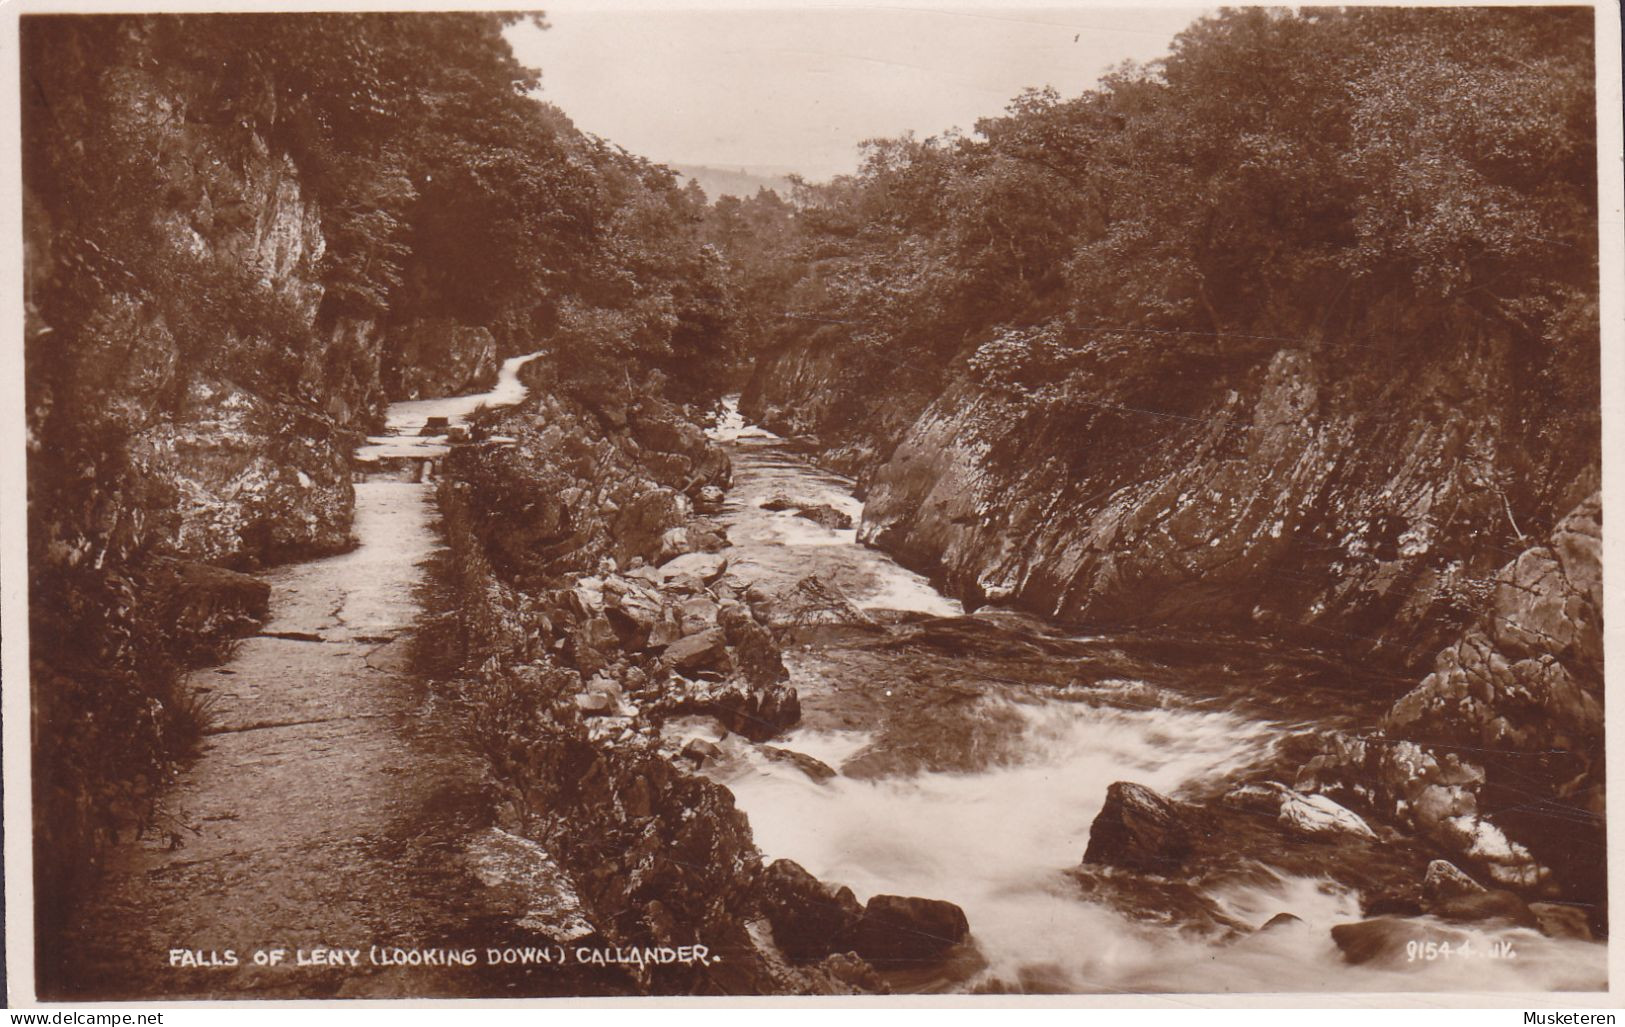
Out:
{"x": 999, "y": 844}
{"x": 1000, "y": 840}
{"x": 994, "y": 842}
{"x": 731, "y": 426}
{"x": 405, "y": 421}
{"x": 768, "y": 541}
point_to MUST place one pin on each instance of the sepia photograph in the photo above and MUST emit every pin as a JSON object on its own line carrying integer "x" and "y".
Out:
{"x": 810, "y": 500}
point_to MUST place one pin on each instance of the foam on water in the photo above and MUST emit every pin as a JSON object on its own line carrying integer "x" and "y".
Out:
{"x": 731, "y": 426}
{"x": 998, "y": 843}
{"x": 995, "y": 842}
{"x": 763, "y": 473}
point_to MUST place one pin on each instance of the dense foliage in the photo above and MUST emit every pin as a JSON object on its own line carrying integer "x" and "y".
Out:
{"x": 446, "y": 189}
{"x": 156, "y": 152}
{"x": 1379, "y": 185}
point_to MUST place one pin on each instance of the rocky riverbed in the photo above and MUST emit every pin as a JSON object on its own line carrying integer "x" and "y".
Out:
{"x": 1142, "y": 795}
{"x": 665, "y": 701}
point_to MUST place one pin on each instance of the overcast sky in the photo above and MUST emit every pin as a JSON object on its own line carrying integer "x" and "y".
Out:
{"x": 797, "y": 89}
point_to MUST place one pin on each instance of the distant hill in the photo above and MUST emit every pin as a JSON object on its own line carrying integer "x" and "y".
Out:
{"x": 733, "y": 181}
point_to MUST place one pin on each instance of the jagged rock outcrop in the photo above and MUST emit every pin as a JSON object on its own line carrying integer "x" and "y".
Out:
{"x": 1321, "y": 500}
{"x": 1162, "y": 860}
{"x": 574, "y": 488}
{"x": 656, "y": 853}
{"x": 1139, "y": 829}
{"x": 815, "y": 769}
{"x": 810, "y": 919}
{"x": 236, "y": 456}
{"x": 1311, "y": 816}
{"x": 1528, "y": 675}
{"x": 1304, "y": 492}
{"x": 1497, "y": 754}
{"x": 190, "y": 402}
{"x": 582, "y": 647}
{"x": 803, "y": 392}
{"x": 206, "y": 607}
{"x": 826, "y": 516}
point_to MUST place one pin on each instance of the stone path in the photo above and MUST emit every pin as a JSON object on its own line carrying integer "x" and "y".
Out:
{"x": 330, "y": 808}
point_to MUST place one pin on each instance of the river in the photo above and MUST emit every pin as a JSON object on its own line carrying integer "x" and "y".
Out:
{"x": 975, "y": 751}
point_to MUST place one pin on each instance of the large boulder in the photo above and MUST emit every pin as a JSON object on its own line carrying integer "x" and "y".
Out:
{"x": 639, "y": 528}
{"x": 1382, "y": 941}
{"x": 1435, "y": 794}
{"x": 705, "y": 651}
{"x": 1521, "y": 694}
{"x": 904, "y": 931}
{"x": 634, "y": 609}
{"x": 810, "y": 919}
{"x": 826, "y": 516}
{"x": 1446, "y": 881}
{"x": 1139, "y": 829}
{"x": 663, "y": 431}
{"x": 758, "y": 714}
{"x": 242, "y": 480}
{"x": 709, "y": 500}
{"x": 702, "y": 751}
{"x": 1559, "y": 921}
{"x": 697, "y": 613}
{"x": 707, "y": 567}
{"x": 1310, "y": 816}
{"x": 809, "y": 602}
{"x": 756, "y": 655}
{"x": 1316, "y": 816}
{"x": 206, "y": 608}
{"x": 1489, "y": 904}
{"x": 815, "y": 769}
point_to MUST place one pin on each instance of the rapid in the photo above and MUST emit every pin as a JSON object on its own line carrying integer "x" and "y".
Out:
{"x": 975, "y": 751}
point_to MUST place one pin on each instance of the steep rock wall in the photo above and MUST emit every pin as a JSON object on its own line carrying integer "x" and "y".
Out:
{"x": 1397, "y": 507}
{"x": 803, "y": 391}
{"x": 1497, "y": 755}
{"x": 236, "y": 440}
{"x": 1303, "y": 496}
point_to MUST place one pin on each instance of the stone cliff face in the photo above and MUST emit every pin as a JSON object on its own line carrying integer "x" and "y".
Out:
{"x": 193, "y": 397}
{"x": 197, "y": 341}
{"x": 1520, "y": 695}
{"x": 1344, "y": 510}
{"x": 438, "y": 357}
{"x": 799, "y": 391}
{"x": 239, "y": 453}
{"x": 1497, "y": 756}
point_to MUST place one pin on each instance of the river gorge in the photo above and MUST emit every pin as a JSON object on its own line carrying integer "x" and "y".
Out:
{"x": 1148, "y": 544}
{"x": 960, "y": 757}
